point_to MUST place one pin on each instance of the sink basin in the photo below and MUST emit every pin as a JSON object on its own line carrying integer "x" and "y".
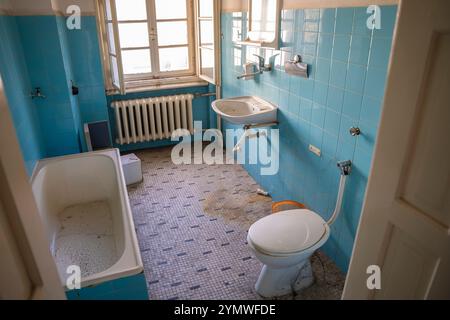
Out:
{"x": 246, "y": 110}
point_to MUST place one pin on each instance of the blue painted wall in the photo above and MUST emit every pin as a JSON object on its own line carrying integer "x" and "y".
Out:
{"x": 15, "y": 77}
{"x": 348, "y": 66}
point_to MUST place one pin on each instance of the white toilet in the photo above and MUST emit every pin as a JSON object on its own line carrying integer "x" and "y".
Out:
{"x": 285, "y": 241}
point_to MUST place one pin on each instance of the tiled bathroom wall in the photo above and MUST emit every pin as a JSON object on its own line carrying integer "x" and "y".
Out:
{"x": 86, "y": 59}
{"x": 48, "y": 64}
{"x": 348, "y": 66}
{"x": 88, "y": 75}
{"x": 17, "y": 86}
{"x": 39, "y": 51}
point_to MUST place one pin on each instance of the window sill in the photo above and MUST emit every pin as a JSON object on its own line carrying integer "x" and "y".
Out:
{"x": 161, "y": 84}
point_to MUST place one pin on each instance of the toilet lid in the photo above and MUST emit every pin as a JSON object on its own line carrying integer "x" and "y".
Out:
{"x": 287, "y": 231}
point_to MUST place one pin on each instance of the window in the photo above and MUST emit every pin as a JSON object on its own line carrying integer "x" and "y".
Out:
{"x": 159, "y": 43}
{"x": 147, "y": 40}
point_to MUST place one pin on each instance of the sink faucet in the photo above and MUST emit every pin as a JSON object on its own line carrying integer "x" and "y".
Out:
{"x": 261, "y": 67}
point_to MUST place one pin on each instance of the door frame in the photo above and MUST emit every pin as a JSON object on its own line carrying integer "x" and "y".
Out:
{"x": 29, "y": 239}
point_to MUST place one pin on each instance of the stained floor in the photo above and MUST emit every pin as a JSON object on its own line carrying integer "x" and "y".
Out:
{"x": 192, "y": 223}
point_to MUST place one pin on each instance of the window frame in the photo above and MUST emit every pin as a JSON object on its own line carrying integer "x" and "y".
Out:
{"x": 155, "y": 78}
{"x": 215, "y": 46}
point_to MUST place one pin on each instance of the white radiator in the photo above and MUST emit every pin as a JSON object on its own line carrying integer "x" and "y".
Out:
{"x": 151, "y": 119}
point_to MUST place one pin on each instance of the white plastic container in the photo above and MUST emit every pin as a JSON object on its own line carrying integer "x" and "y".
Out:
{"x": 132, "y": 169}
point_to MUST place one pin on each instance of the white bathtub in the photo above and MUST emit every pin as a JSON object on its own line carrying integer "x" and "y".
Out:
{"x": 84, "y": 205}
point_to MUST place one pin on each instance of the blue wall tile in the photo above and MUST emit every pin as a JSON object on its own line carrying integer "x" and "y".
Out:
{"x": 379, "y": 56}
{"x": 52, "y": 62}
{"x": 359, "y": 50}
{"x": 327, "y": 20}
{"x": 323, "y": 70}
{"x": 388, "y": 18}
{"x": 320, "y": 92}
{"x": 18, "y": 86}
{"x": 332, "y": 121}
{"x": 356, "y": 75}
{"x": 294, "y": 103}
{"x": 49, "y": 67}
{"x": 341, "y": 47}
{"x": 352, "y": 105}
{"x": 335, "y": 98}
{"x": 325, "y": 45}
{"x": 370, "y": 111}
{"x": 88, "y": 74}
{"x": 345, "y": 89}
{"x": 329, "y": 144}
{"x": 360, "y": 22}
{"x": 375, "y": 83}
{"x": 344, "y": 20}
{"x": 318, "y": 115}
{"x": 306, "y": 109}
{"x": 338, "y": 74}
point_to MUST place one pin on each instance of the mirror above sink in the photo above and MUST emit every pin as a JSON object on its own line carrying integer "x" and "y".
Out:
{"x": 246, "y": 110}
{"x": 263, "y": 23}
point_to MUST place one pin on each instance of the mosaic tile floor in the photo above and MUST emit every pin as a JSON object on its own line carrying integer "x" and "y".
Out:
{"x": 192, "y": 223}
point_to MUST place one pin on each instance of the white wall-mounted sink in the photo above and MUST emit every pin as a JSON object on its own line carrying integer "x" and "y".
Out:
{"x": 246, "y": 110}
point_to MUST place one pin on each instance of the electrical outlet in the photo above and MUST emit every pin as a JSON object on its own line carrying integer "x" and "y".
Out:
{"x": 314, "y": 150}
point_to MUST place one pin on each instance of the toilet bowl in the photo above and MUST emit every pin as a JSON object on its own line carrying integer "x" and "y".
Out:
{"x": 284, "y": 242}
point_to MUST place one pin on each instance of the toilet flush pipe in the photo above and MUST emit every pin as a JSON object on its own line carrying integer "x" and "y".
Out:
{"x": 345, "y": 167}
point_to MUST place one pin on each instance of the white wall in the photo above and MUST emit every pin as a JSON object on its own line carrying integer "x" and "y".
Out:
{"x": 241, "y": 5}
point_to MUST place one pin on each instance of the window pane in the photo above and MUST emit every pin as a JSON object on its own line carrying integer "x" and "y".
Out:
{"x": 108, "y": 10}
{"x": 172, "y": 59}
{"x": 237, "y": 57}
{"x": 136, "y": 61}
{"x": 133, "y": 35}
{"x": 111, "y": 42}
{"x": 206, "y": 32}
{"x": 207, "y": 63}
{"x": 206, "y": 8}
{"x": 263, "y": 15}
{"x": 131, "y": 10}
{"x": 115, "y": 72}
{"x": 170, "y": 9}
{"x": 172, "y": 33}
{"x": 237, "y": 27}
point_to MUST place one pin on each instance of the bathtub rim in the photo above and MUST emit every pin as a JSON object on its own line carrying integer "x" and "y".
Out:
{"x": 122, "y": 267}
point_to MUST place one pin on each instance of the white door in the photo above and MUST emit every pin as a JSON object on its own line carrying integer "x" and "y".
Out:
{"x": 405, "y": 224}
